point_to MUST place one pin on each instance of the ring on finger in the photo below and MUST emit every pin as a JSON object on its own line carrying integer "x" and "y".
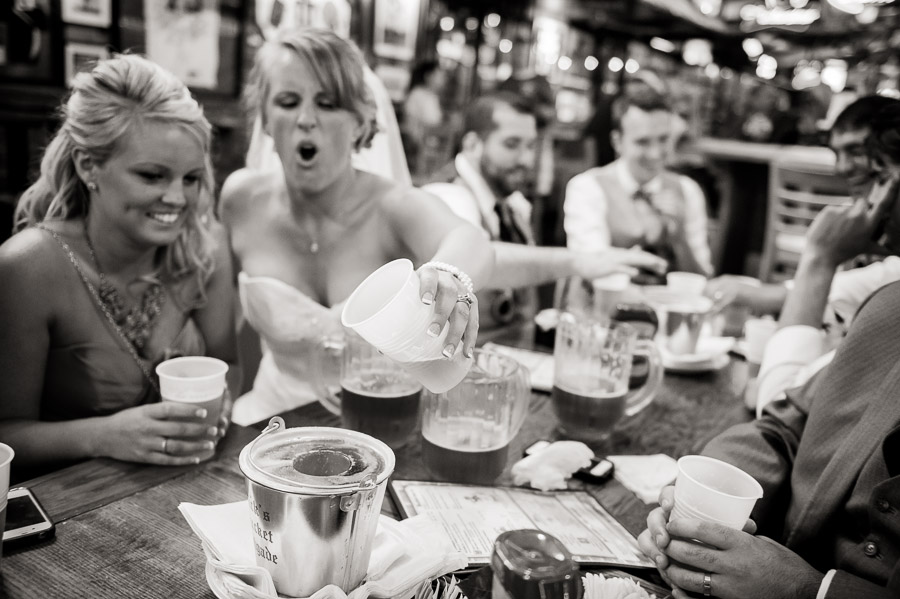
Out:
{"x": 465, "y": 298}
{"x": 707, "y": 584}
{"x": 165, "y": 447}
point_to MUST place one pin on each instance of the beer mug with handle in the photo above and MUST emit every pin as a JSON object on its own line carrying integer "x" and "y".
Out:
{"x": 466, "y": 431}
{"x": 372, "y": 393}
{"x": 592, "y": 365}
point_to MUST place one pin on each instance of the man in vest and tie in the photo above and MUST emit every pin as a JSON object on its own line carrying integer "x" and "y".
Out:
{"x": 635, "y": 201}
{"x": 484, "y": 184}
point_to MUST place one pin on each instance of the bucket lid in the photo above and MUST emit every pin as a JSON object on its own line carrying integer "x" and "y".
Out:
{"x": 315, "y": 460}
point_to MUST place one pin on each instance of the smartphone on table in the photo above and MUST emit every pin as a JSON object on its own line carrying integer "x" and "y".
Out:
{"x": 26, "y": 519}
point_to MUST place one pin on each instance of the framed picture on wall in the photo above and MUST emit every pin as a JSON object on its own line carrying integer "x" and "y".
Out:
{"x": 396, "y": 27}
{"x": 82, "y": 57}
{"x": 93, "y": 13}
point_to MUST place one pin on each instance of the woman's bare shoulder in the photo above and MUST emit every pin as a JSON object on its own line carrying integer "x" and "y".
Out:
{"x": 242, "y": 190}
{"x": 31, "y": 258}
{"x": 397, "y": 196}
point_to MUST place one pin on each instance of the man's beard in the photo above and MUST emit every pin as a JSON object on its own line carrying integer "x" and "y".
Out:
{"x": 508, "y": 181}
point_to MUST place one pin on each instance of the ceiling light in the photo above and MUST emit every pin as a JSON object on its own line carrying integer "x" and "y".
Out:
{"x": 631, "y": 66}
{"x": 752, "y": 46}
{"x": 663, "y": 45}
{"x": 591, "y": 63}
{"x": 615, "y": 64}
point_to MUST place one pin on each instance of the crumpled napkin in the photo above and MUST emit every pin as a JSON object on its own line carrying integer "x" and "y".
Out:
{"x": 404, "y": 555}
{"x": 550, "y": 468}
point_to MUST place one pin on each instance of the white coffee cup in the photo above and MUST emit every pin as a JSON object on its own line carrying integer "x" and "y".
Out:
{"x": 688, "y": 283}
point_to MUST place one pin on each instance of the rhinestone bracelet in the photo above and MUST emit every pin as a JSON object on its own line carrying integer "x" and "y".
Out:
{"x": 462, "y": 277}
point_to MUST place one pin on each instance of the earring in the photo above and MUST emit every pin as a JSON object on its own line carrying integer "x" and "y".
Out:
{"x": 92, "y": 186}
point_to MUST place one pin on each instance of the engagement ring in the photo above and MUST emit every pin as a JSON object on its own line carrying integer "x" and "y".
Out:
{"x": 466, "y": 299}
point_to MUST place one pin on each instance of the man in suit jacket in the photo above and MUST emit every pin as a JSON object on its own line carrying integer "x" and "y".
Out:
{"x": 827, "y": 456}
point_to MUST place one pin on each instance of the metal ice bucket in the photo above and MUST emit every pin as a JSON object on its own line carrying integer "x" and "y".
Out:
{"x": 315, "y": 494}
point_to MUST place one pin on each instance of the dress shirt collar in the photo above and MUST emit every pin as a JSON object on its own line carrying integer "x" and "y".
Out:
{"x": 630, "y": 184}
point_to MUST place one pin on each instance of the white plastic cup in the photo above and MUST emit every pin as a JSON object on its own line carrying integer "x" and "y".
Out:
{"x": 195, "y": 380}
{"x": 608, "y": 292}
{"x": 688, "y": 283}
{"x": 715, "y": 491}
{"x": 6, "y": 457}
{"x": 757, "y": 332}
{"x": 387, "y": 311}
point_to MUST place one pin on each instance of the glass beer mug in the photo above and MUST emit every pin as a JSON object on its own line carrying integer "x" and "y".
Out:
{"x": 374, "y": 395}
{"x": 466, "y": 431}
{"x": 592, "y": 365}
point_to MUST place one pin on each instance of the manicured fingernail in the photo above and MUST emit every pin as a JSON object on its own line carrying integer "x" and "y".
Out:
{"x": 660, "y": 561}
{"x": 470, "y": 351}
{"x": 428, "y": 298}
{"x": 660, "y": 540}
{"x": 201, "y": 413}
{"x": 196, "y": 460}
{"x": 210, "y": 445}
{"x": 666, "y": 504}
{"x": 434, "y": 330}
{"x": 213, "y": 430}
{"x": 448, "y": 351}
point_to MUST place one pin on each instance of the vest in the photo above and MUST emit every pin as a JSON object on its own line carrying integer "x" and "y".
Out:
{"x": 625, "y": 227}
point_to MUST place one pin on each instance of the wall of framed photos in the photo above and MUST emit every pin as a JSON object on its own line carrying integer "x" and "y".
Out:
{"x": 44, "y": 43}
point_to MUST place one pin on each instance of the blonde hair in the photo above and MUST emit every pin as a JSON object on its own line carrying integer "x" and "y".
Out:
{"x": 103, "y": 105}
{"x": 337, "y": 64}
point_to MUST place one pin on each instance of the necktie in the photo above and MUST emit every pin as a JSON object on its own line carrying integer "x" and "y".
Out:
{"x": 654, "y": 227}
{"x": 509, "y": 229}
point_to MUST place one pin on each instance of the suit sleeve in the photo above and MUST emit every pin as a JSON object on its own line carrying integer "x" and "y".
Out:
{"x": 847, "y": 586}
{"x": 765, "y": 449}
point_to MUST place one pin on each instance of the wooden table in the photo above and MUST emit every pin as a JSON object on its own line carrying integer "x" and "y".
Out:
{"x": 119, "y": 533}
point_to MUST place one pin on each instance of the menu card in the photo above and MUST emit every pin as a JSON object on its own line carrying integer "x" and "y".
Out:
{"x": 473, "y": 517}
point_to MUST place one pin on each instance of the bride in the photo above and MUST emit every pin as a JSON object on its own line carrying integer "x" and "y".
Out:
{"x": 304, "y": 241}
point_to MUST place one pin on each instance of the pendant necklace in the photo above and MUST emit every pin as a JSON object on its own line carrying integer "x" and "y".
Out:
{"x": 137, "y": 321}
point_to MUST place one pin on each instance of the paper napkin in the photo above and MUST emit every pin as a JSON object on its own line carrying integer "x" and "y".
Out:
{"x": 539, "y": 364}
{"x": 644, "y": 475}
{"x": 404, "y": 555}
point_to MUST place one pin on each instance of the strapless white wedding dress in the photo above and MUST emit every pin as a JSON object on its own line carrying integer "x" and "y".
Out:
{"x": 292, "y": 327}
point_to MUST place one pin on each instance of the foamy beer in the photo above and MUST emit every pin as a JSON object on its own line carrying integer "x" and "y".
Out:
{"x": 378, "y": 397}
{"x": 466, "y": 431}
{"x": 592, "y": 365}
